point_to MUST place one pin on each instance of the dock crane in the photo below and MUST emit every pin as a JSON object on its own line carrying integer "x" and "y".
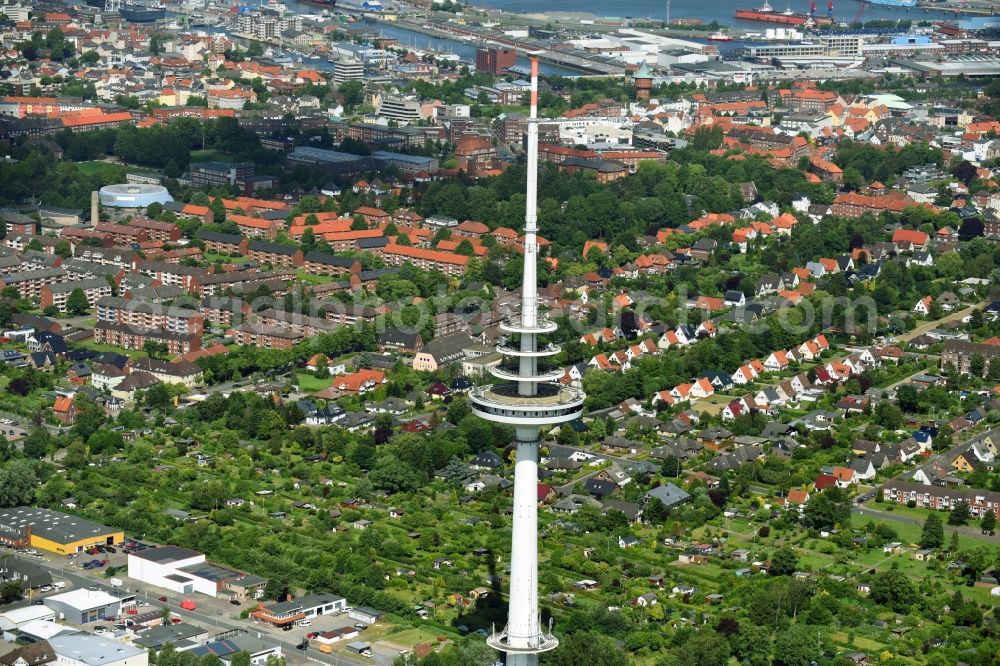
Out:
{"x": 861, "y": 10}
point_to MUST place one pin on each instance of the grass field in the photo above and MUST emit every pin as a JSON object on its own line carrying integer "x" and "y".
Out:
{"x": 311, "y": 383}
{"x": 212, "y": 257}
{"x": 312, "y": 279}
{"x": 103, "y": 168}
{"x": 210, "y": 156}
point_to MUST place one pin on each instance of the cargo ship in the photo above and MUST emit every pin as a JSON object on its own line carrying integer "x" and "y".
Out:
{"x": 766, "y": 14}
{"x": 893, "y": 3}
{"x": 330, "y": 4}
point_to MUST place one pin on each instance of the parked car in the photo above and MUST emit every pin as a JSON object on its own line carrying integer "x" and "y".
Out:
{"x": 304, "y": 645}
{"x": 235, "y": 602}
{"x": 175, "y": 620}
{"x": 360, "y": 627}
{"x": 303, "y": 623}
{"x": 163, "y": 599}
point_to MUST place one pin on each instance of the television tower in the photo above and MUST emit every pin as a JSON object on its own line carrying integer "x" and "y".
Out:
{"x": 527, "y": 397}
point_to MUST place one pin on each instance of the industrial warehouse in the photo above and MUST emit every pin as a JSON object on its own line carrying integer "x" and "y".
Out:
{"x": 186, "y": 571}
{"x": 54, "y": 531}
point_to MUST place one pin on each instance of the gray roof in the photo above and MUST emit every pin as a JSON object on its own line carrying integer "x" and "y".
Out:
{"x": 166, "y": 554}
{"x": 154, "y": 637}
{"x": 669, "y": 494}
{"x": 54, "y": 525}
{"x": 92, "y": 650}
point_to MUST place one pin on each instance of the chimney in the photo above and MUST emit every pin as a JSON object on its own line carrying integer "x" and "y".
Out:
{"x": 95, "y": 209}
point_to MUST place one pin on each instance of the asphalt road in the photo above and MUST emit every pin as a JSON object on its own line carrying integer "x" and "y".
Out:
{"x": 206, "y": 616}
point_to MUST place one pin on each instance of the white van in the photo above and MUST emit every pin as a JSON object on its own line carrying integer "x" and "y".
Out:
{"x": 59, "y": 584}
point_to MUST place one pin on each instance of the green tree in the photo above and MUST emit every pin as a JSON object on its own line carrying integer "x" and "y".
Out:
{"x": 154, "y": 348}
{"x": 783, "y": 562}
{"x": 932, "y": 535}
{"x": 908, "y": 398}
{"x": 892, "y": 588}
{"x": 796, "y": 646}
{"x": 353, "y": 93}
{"x": 827, "y": 509}
{"x": 37, "y": 443}
{"x": 960, "y": 514}
{"x": 704, "y": 650}
{"x": 77, "y": 303}
{"x": 588, "y": 648}
{"x": 977, "y": 560}
{"x": 12, "y": 590}
{"x": 989, "y": 522}
{"x": 752, "y": 645}
{"x": 17, "y": 484}
{"x": 889, "y": 415}
{"x": 977, "y": 365}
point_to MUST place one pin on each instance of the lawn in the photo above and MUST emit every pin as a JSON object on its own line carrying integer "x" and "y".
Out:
{"x": 210, "y": 156}
{"x": 909, "y": 533}
{"x": 414, "y": 636}
{"x": 302, "y": 276}
{"x": 103, "y": 169}
{"x": 309, "y": 383}
{"x": 860, "y": 642}
{"x": 212, "y": 257}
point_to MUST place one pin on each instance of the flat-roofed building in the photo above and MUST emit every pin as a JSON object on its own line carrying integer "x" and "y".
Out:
{"x": 310, "y": 606}
{"x": 83, "y": 649}
{"x": 54, "y": 531}
{"x": 83, "y": 606}
{"x": 186, "y": 571}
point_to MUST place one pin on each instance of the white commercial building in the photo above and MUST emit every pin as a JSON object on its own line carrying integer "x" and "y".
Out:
{"x": 185, "y": 571}
{"x": 84, "y": 605}
{"x": 90, "y": 650}
{"x": 15, "y": 618}
{"x": 162, "y": 567}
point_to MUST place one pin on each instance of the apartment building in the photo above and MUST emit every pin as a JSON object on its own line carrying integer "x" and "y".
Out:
{"x": 187, "y": 278}
{"x": 29, "y": 283}
{"x": 255, "y": 227}
{"x": 57, "y": 294}
{"x": 134, "y": 337}
{"x": 218, "y": 243}
{"x": 225, "y": 311}
{"x": 148, "y": 314}
{"x": 122, "y": 234}
{"x": 321, "y": 263}
{"x": 959, "y": 355}
{"x": 449, "y": 263}
{"x": 292, "y": 321}
{"x": 350, "y": 241}
{"x": 348, "y": 314}
{"x": 167, "y": 232}
{"x": 941, "y": 498}
{"x": 274, "y": 254}
{"x": 265, "y": 337}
